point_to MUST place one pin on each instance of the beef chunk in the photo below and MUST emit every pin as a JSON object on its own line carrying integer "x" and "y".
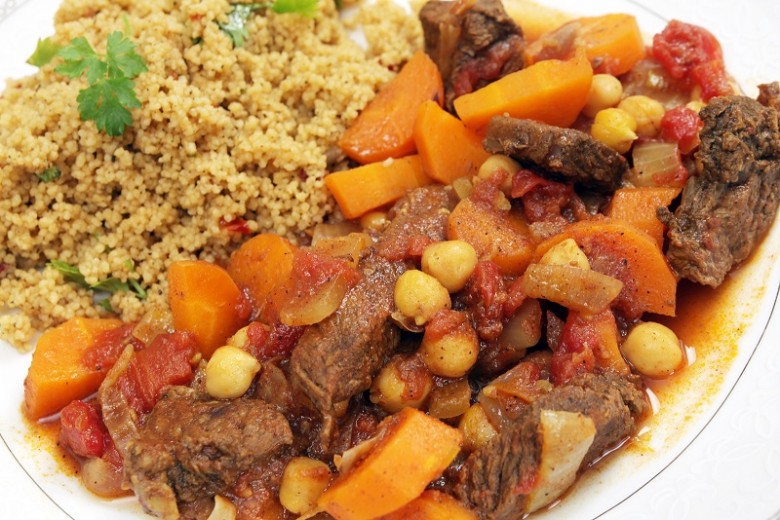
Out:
{"x": 190, "y": 449}
{"x": 419, "y": 218}
{"x": 569, "y": 154}
{"x": 472, "y": 43}
{"x": 337, "y": 357}
{"x": 730, "y": 202}
{"x": 769, "y": 95}
{"x": 491, "y": 476}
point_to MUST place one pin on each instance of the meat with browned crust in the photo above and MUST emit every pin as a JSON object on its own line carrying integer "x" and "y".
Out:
{"x": 732, "y": 199}
{"x": 564, "y": 153}
{"x": 491, "y": 476}
{"x": 472, "y": 43}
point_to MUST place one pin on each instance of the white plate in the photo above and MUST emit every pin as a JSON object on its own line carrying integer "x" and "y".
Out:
{"x": 715, "y": 455}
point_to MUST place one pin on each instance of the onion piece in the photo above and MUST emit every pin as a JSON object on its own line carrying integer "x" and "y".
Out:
{"x": 224, "y": 509}
{"x": 566, "y": 438}
{"x": 349, "y": 247}
{"x": 524, "y": 328}
{"x": 340, "y": 229}
{"x": 574, "y": 288}
{"x": 450, "y": 400}
{"x": 157, "y": 320}
{"x": 120, "y": 419}
{"x": 315, "y": 307}
{"x": 653, "y": 162}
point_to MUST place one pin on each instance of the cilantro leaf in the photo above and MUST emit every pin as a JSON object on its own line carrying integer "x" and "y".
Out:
{"x": 110, "y": 94}
{"x": 239, "y": 14}
{"x": 50, "y": 174}
{"x": 110, "y": 285}
{"x": 45, "y": 51}
{"x": 305, "y": 7}
{"x": 71, "y": 273}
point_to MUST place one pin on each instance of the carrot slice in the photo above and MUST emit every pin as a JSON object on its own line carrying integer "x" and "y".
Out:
{"x": 447, "y": 148}
{"x": 261, "y": 265}
{"x": 385, "y": 128}
{"x": 432, "y": 505}
{"x": 637, "y": 206}
{"x": 629, "y": 254}
{"x": 204, "y": 300}
{"x": 57, "y": 374}
{"x": 550, "y": 91}
{"x": 613, "y": 42}
{"x": 368, "y": 187}
{"x": 410, "y": 451}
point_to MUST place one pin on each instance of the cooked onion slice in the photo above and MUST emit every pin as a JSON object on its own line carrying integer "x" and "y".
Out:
{"x": 574, "y": 288}
{"x": 653, "y": 161}
{"x": 340, "y": 229}
{"x": 566, "y": 438}
{"x": 350, "y": 247}
{"x": 315, "y": 307}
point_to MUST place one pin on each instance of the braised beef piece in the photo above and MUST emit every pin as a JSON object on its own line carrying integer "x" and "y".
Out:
{"x": 338, "y": 357}
{"x": 769, "y": 95}
{"x": 188, "y": 450}
{"x": 492, "y": 476}
{"x": 565, "y": 153}
{"x": 731, "y": 200}
{"x": 472, "y": 43}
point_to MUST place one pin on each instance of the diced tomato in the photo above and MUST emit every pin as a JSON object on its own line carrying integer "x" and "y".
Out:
{"x": 237, "y": 225}
{"x": 278, "y": 340}
{"x": 515, "y": 296}
{"x": 446, "y": 322}
{"x": 543, "y": 199}
{"x": 108, "y": 347}
{"x": 524, "y": 180}
{"x": 691, "y": 53}
{"x": 82, "y": 430}
{"x": 574, "y": 354}
{"x": 165, "y": 362}
{"x": 681, "y": 124}
{"x": 406, "y": 247}
{"x": 485, "y": 296}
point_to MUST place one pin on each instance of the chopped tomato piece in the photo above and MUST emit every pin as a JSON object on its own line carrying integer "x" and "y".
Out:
{"x": 693, "y": 54}
{"x": 109, "y": 345}
{"x": 237, "y": 225}
{"x": 82, "y": 430}
{"x": 277, "y": 340}
{"x": 574, "y": 354}
{"x": 165, "y": 362}
{"x": 485, "y": 296}
{"x": 682, "y": 124}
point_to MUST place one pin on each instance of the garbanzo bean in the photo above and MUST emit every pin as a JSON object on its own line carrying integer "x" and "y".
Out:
{"x": 653, "y": 349}
{"x": 615, "y": 128}
{"x": 452, "y": 354}
{"x": 476, "y": 428}
{"x": 451, "y": 262}
{"x": 224, "y": 509}
{"x": 303, "y": 482}
{"x": 498, "y": 162}
{"x": 229, "y": 372}
{"x": 419, "y": 296}
{"x": 605, "y": 92}
{"x": 566, "y": 252}
{"x": 374, "y": 221}
{"x": 646, "y": 111}
{"x": 404, "y": 381}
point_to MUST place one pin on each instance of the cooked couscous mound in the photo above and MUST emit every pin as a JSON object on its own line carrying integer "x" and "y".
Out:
{"x": 223, "y": 134}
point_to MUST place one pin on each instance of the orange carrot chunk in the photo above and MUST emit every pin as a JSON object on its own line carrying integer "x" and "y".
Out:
{"x": 410, "y": 451}
{"x": 432, "y": 505}
{"x": 58, "y": 373}
{"x": 550, "y": 91}
{"x": 447, "y": 148}
{"x": 368, "y": 187}
{"x": 385, "y": 128}
{"x": 637, "y": 206}
{"x": 204, "y": 300}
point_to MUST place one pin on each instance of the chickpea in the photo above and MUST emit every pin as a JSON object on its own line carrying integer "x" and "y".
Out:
{"x": 419, "y": 296}
{"x": 476, "y": 428}
{"x": 404, "y": 381}
{"x": 653, "y": 349}
{"x": 605, "y": 92}
{"x": 568, "y": 253}
{"x": 451, "y": 262}
{"x": 498, "y": 162}
{"x": 240, "y": 339}
{"x": 224, "y": 509}
{"x": 696, "y": 106}
{"x": 453, "y": 354}
{"x": 615, "y": 128}
{"x": 374, "y": 221}
{"x": 646, "y": 111}
{"x": 229, "y": 372}
{"x": 303, "y": 482}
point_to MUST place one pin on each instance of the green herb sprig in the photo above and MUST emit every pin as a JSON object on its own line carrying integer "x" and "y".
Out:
{"x": 111, "y": 285}
{"x": 110, "y": 95}
{"x": 235, "y": 27}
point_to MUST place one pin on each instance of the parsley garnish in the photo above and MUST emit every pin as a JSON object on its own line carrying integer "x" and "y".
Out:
{"x": 44, "y": 52}
{"x": 111, "y": 93}
{"x": 235, "y": 27}
{"x": 111, "y": 285}
{"x": 49, "y": 174}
